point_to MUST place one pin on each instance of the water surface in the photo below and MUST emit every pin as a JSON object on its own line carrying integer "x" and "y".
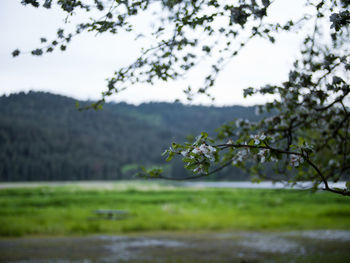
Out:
{"x": 163, "y": 184}
{"x": 242, "y": 247}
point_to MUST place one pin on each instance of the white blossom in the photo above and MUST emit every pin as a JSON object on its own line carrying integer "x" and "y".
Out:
{"x": 238, "y": 122}
{"x": 229, "y": 141}
{"x": 196, "y": 150}
{"x": 241, "y": 122}
{"x": 257, "y": 138}
{"x": 296, "y": 160}
{"x": 244, "y": 152}
{"x": 171, "y": 149}
{"x": 211, "y": 149}
{"x": 274, "y": 159}
{"x": 198, "y": 138}
{"x": 206, "y": 150}
{"x": 262, "y": 154}
{"x": 333, "y": 162}
{"x": 185, "y": 153}
{"x": 199, "y": 170}
{"x": 240, "y": 156}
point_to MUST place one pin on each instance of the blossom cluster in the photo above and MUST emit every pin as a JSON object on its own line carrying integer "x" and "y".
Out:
{"x": 296, "y": 160}
{"x": 199, "y": 170}
{"x": 197, "y": 156}
{"x": 206, "y": 150}
{"x": 262, "y": 154}
{"x": 258, "y": 138}
{"x": 240, "y": 156}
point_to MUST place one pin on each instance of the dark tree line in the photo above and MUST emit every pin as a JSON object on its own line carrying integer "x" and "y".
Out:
{"x": 44, "y": 137}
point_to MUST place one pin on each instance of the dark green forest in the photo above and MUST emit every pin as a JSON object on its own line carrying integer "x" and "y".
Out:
{"x": 43, "y": 137}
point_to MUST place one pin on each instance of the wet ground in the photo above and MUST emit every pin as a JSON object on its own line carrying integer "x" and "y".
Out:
{"x": 241, "y": 247}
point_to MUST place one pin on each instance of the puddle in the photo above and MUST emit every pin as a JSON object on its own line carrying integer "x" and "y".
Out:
{"x": 337, "y": 235}
{"x": 270, "y": 243}
{"x": 127, "y": 249}
{"x": 241, "y": 247}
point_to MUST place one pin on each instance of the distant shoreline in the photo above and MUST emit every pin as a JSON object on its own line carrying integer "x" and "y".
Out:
{"x": 138, "y": 183}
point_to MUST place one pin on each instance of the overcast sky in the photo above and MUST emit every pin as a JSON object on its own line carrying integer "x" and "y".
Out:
{"x": 80, "y": 72}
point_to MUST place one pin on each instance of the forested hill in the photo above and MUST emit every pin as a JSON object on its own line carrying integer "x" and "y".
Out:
{"x": 44, "y": 137}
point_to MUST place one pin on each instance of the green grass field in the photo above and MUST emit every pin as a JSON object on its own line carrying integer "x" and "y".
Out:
{"x": 69, "y": 210}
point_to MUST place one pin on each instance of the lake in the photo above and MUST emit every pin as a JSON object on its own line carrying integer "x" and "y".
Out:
{"x": 153, "y": 183}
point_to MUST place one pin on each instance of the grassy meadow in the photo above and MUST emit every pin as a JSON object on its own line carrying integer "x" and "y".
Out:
{"x": 69, "y": 210}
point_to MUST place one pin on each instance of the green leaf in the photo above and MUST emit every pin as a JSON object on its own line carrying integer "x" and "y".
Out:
{"x": 170, "y": 157}
{"x": 251, "y": 143}
{"x": 155, "y": 172}
{"x": 301, "y": 141}
{"x": 204, "y": 135}
{"x": 347, "y": 185}
{"x": 188, "y": 160}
